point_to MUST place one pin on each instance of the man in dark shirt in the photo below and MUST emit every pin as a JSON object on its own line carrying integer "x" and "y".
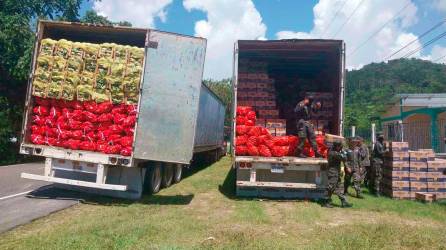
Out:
{"x": 305, "y": 129}
{"x": 335, "y": 156}
{"x": 377, "y": 164}
{"x": 355, "y": 156}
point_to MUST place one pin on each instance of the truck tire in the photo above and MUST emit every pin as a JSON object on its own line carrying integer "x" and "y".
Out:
{"x": 153, "y": 178}
{"x": 178, "y": 172}
{"x": 167, "y": 175}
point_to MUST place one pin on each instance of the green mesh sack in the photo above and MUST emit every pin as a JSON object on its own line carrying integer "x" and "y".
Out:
{"x": 91, "y": 51}
{"x": 131, "y": 85}
{"x": 132, "y": 98}
{"x": 47, "y": 47}
{"x": 59, "y": 64}
{"x": 68, "y": 92}
{"x": 120, "y": 53}
{"x": 101, "y": 82}
{"x": 84, "y": 93}
{"x": 77, "y": 50}
{"x": 87, "y": 79}
{"x": 72, "y": 79}
{"x": 117, "y": 97}
{"x": 101, "y": 95}
{"x": 117, "y": 69}
{"x": 74, "y": 64}
{"x": 133, "y": 70}
{"x": 90, "y": 65}
{"x": 54, "y": 90}
{"x": 39, "y": 88}
{"x": 106, "y": 50}
{"x": 104, "y": 65}
{"x": 42, "y": 75}
{"x": 136, "y": 55}
{"x": 57, "y": 78}
{"x": 116, "y": 84}
{"x": 63, "y": 48}
{"x": 44, "y": 62}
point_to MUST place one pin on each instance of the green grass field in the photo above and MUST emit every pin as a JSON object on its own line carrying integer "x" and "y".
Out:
{"x": 201, "y": 212}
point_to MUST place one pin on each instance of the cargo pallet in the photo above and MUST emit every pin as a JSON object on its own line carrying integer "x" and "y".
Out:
{"x": 281, "y": 178}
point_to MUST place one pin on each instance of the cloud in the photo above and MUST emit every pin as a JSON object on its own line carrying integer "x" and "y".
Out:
{"x": 437, "y": 55}
{"x": 368, "y": 19}
{"x": 141, "y": 13}
{"x": 226, "y": 22}
{"x": 440, "y": 5}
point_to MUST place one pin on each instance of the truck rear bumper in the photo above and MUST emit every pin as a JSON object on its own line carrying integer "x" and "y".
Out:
{"x": 74, "y": 182}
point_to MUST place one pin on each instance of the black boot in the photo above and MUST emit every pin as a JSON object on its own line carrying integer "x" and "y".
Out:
{"x": 345, "y": 204}
{"x": 327, "y": 204}
{"x": 358, "y": 195}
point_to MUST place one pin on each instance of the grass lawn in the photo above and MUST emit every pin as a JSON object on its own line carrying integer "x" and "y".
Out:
{"x": 201, "y": 212}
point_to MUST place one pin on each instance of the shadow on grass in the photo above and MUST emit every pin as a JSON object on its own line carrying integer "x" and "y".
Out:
{"x": 54, "y": 193}
{"x": 200, "y": 161}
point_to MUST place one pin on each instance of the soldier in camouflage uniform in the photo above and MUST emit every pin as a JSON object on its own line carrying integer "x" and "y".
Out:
{"x": 353, "y": 167}
{"x": 335, "y": 156}
{"x": 377, "y": 164}
{"x": 305, "y": 130}
{"x": 365, "y": 163}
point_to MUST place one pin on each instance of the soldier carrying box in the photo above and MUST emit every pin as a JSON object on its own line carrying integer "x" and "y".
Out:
{"x": 305, "y": 129}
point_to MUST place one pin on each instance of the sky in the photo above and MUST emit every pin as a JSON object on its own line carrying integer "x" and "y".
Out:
{"x": 371, "y": 29}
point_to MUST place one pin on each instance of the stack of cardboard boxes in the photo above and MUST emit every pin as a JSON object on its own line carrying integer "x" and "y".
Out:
{"x": 413, "y": 174}
{"x": 322, "y": 118}
{"x": 255, "y": 89}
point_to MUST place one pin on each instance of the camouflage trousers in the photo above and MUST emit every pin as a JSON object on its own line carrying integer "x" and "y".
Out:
{"x": 358, "y": 175}
{"x": 377, "y": 175}
{"x": 334, "y": 185}
{"x": 305, "y": 130}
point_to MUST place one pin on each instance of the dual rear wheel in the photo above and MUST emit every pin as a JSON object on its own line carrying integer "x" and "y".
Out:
{"x": 160, "y": 175}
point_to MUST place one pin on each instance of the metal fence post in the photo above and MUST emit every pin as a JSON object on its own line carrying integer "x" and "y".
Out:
{"x": 373, "y": 135}
{"x": 353, "y": 131}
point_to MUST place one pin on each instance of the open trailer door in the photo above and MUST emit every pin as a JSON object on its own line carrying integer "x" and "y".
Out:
{"x": 170, "y": 97}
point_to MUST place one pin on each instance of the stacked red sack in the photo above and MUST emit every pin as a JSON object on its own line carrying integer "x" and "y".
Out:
{"x": 257, "y": 141}
{"x": 103, "y": 127}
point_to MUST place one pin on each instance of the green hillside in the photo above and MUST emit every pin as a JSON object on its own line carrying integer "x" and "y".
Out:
{"x": 369, "y": 89}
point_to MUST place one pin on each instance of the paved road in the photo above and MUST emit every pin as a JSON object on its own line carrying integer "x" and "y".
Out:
{"x": 22, "y": 200}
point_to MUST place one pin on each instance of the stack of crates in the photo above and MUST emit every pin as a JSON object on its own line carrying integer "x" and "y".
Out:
{"x": 396, "y": 172}
{"x": 321, "y": 120}
{"x": 419, "y": 170}
{"x": 257, "y": 90}
{"x": 436, "y": 178}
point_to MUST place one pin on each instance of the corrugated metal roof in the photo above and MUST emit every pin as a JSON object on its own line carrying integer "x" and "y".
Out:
{"x": 436, "y": 100}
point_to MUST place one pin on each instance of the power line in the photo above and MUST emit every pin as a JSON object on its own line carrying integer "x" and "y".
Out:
{"x": 348, "y": 19}
{"x": 425, "y": 45}
{"x": 333, "y": 18}
{"x": 379, "y": 30}
{"x": 416, "y": 39}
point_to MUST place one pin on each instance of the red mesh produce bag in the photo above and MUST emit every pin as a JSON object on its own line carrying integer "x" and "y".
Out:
{"x": 243, "y": 110}
{"x": 104, "y": 135}
{"x": 104, "y": 108}
{"x": 252, "y": 140}
{"x": 241, "y": 150}
{"x": 60, "y": 143}
{"x": 41, "y": 110}
{"x": 127, "y": 151}
{"x": 114, "y": 139}
{"x": 255, "y": 131}
{"x": 77, "y": 134}
{"x": 87, "y": 145}
{"x": 241, "y": 140}
{"x": 104, "y": 126}
{"x": 42, "y": 101}
{"x": 126, "y": 141}
{"x": 253, "y": 150}
{"x": 77, "y": 105}
{"x": 90, "y": 106}
{"x": 320, "y": 140}
{"x": 91, "y": 136}
{"x": 263, "y": 139}
{"x": 269, "y": 143}
{"x": 293, "y": 140}
{"x": 241, "y": 129}
{"x": 250, "y": 123}
{"x": 105, "y": 117}
{"x": 72, "y": 144}
{"x": 292, "y": 151}
{"x": 264, "y": 151}
{"x": 67, "y": 113}
{"x": 50, "y": 141}
{"x": 87, "y": 127}
{"x": 64, "y": 134}
{"x": 89, "y": 116}
{"x": 281, "y": 140}
{"x": 119, "y": 118}
{"x": 119, "y": 109}
{"x": 51, "y": 132}
{"x": 38, "y": 120}
{"x": 129, "y": 121}
{"x": 265, "y": 131}
{"x": 129, "y": 131}
{"x": 74, "y": 125}
{"x": 50, "y": 122}
{"x": 132, "y": 109}
{"x": 279, "y": 151}
{"x": 240, "y": 120}
{"x": 37, "y": 139}
{"x": 62, "y": 123}
{"x": 308, "y": 151}
{"x": 101, "y": 146}
{"x": 37, "y": 130}
{"x": 116, "y": 129}
{"x": 61, "y": 103}
{"x": 113, "y": 149}
{"x": 251, "y": 115}
{"x": 78, "y": 115}
{"x": 55, "y": 112}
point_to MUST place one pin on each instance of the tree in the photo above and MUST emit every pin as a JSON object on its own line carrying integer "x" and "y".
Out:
{"x": 223, "y": 90}
{"x": 92, "y": 17}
